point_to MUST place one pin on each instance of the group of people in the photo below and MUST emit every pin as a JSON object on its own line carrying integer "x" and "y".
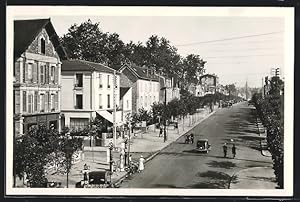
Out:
{"x": 189, "y": 139}
{"x": 233, "y": 150}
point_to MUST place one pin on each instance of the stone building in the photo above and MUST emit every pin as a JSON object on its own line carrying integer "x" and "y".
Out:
{"x": 37, "y": 66}
{"x": 169, "y": 89}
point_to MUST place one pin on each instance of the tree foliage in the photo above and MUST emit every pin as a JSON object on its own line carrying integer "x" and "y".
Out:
{"x": 37, "y": 149}
{"x": 270, "y": 111}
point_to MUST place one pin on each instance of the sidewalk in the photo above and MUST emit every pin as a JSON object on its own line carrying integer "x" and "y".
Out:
{"x": 254, "y": 178}
{"x": 263, "y": 141}
{"x": 147, "y": 144}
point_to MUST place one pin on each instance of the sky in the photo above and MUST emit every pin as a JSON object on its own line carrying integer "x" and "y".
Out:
{"x": 237, "y": 49}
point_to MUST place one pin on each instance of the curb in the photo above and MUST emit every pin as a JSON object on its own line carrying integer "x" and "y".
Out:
{"x": 119, "y": 181}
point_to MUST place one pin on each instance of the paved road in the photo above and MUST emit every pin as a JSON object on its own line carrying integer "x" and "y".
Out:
{"x": 180, "y": 166}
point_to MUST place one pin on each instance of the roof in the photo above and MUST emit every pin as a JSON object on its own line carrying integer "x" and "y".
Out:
{"x": 123, "y": 91}
{"x": 25, "y": 31}
{"x": 82, "y": 65}
{"x": 140, "y": 72}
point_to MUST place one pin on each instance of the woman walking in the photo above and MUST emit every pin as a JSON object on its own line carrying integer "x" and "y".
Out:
{"x": 141, "y": 163}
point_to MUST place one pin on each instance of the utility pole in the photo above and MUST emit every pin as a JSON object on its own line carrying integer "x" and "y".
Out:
{"x": 114, "y": 109}
{"x": 246, "y": 90}
{"x": 263, "y": 88}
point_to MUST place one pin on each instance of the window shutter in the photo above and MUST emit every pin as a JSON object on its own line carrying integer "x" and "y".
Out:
{"x": 17, "y": 102}
{"x": 49, "y": 101}
{"x": 24, "y": 101}
{"x": 35, "y": 100}
{"x": 56, "y": 101}
{"x": 26, "y": 73}
{"x": 46, "y": 102}
{"x": 56, "y": 75}
{"x": 34, "y": 72}
{"x": 47, "y": 74}
{"x": 38, "y": 102}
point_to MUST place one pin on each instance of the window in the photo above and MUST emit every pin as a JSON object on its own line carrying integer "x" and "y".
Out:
{"x": 100, "y": 81}
{"x": 150, "y": 101}
{"x": 52, "y": 73}
{"x": 127, "y": 104}
{"x": 108, "y": 83}
{"x": 108, "y": 101}
{"x": 43, "y": 46}
{"x": 141, "y": 103}
{"x": 42, "y": 74}
{"x": 78, "y": 123}
{"x": 30, "y": 103}
{"x": 24, "y": 101}
{"x": 100, "y": 101}
{"x": 78, "y": 102}
{"x": 145, "y": 101}
{"x": 29, "y": 72}
{"x": 52, "y": 102}
{"x": 42, "y": 101}
{"x": 79, "y": 80}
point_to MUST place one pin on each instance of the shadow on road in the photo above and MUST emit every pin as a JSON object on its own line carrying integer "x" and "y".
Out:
{"x": 215, "y": 180}
{"x": 165, "y": 186}
{"x": 193, "y": 151}
{"x": 222, "y": 164}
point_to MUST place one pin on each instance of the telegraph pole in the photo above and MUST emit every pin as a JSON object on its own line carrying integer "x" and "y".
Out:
{"x": 114, "y": 109}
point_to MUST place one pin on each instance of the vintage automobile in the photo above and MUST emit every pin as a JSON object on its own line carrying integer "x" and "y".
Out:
{"x": 203, "y": 145}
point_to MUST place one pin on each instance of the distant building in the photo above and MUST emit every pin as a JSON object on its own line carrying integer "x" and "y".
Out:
{"x": 37, "y": 66}
{"x": 210, "y": 83}
{"x": 196, "y": 90}
{"x": 169, "y": 89}
{"x": 87, "y": 92}
{"x": 144, "y": 83}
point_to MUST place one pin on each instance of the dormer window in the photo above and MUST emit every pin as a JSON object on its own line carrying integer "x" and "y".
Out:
{"x": 43, "y": 46}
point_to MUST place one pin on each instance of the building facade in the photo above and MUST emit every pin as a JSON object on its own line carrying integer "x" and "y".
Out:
{"x": 89, "y": 90}
{"x": 169, "y": 89}
{"x": 144, "y": 83}
{"x": 37, "y": 68}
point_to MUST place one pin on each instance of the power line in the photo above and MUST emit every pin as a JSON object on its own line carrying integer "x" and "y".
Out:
{"x": 228, "y": 39}
{"x": 239, "y": 56}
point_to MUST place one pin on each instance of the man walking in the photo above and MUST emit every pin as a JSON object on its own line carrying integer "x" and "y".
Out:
{"x": 233, "y": 150}
{"x": 225, "y": 150}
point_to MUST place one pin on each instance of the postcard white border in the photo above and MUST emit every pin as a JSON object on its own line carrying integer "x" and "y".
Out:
{"x": 34, "y": 11}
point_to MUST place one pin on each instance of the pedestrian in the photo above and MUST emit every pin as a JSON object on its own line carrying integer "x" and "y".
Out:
{"x": 129, "y": 159}
{"x": 141, "y": 163}
{"x": 233, "y": 150}
{"x": 192, "y": 138}
{"x": 160, "y": 131}
{"x": 225, "y": 150}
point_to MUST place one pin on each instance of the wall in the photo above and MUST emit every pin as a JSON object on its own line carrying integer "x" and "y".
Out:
{"x": 147, "y": 93}
{"x": 104, "y": 90}
{"x": 68, "y": 100}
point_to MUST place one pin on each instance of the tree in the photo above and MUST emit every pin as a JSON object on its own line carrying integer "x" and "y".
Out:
{"x": 270, "y": 112}
{"x": 34, "y": 151}
{"x": 38, "y": 149}
{"x": 87, "y": 42}
{"x": 192, "y": 68}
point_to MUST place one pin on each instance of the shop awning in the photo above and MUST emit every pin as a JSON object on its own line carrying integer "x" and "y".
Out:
{"x": 109, "y": 116}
